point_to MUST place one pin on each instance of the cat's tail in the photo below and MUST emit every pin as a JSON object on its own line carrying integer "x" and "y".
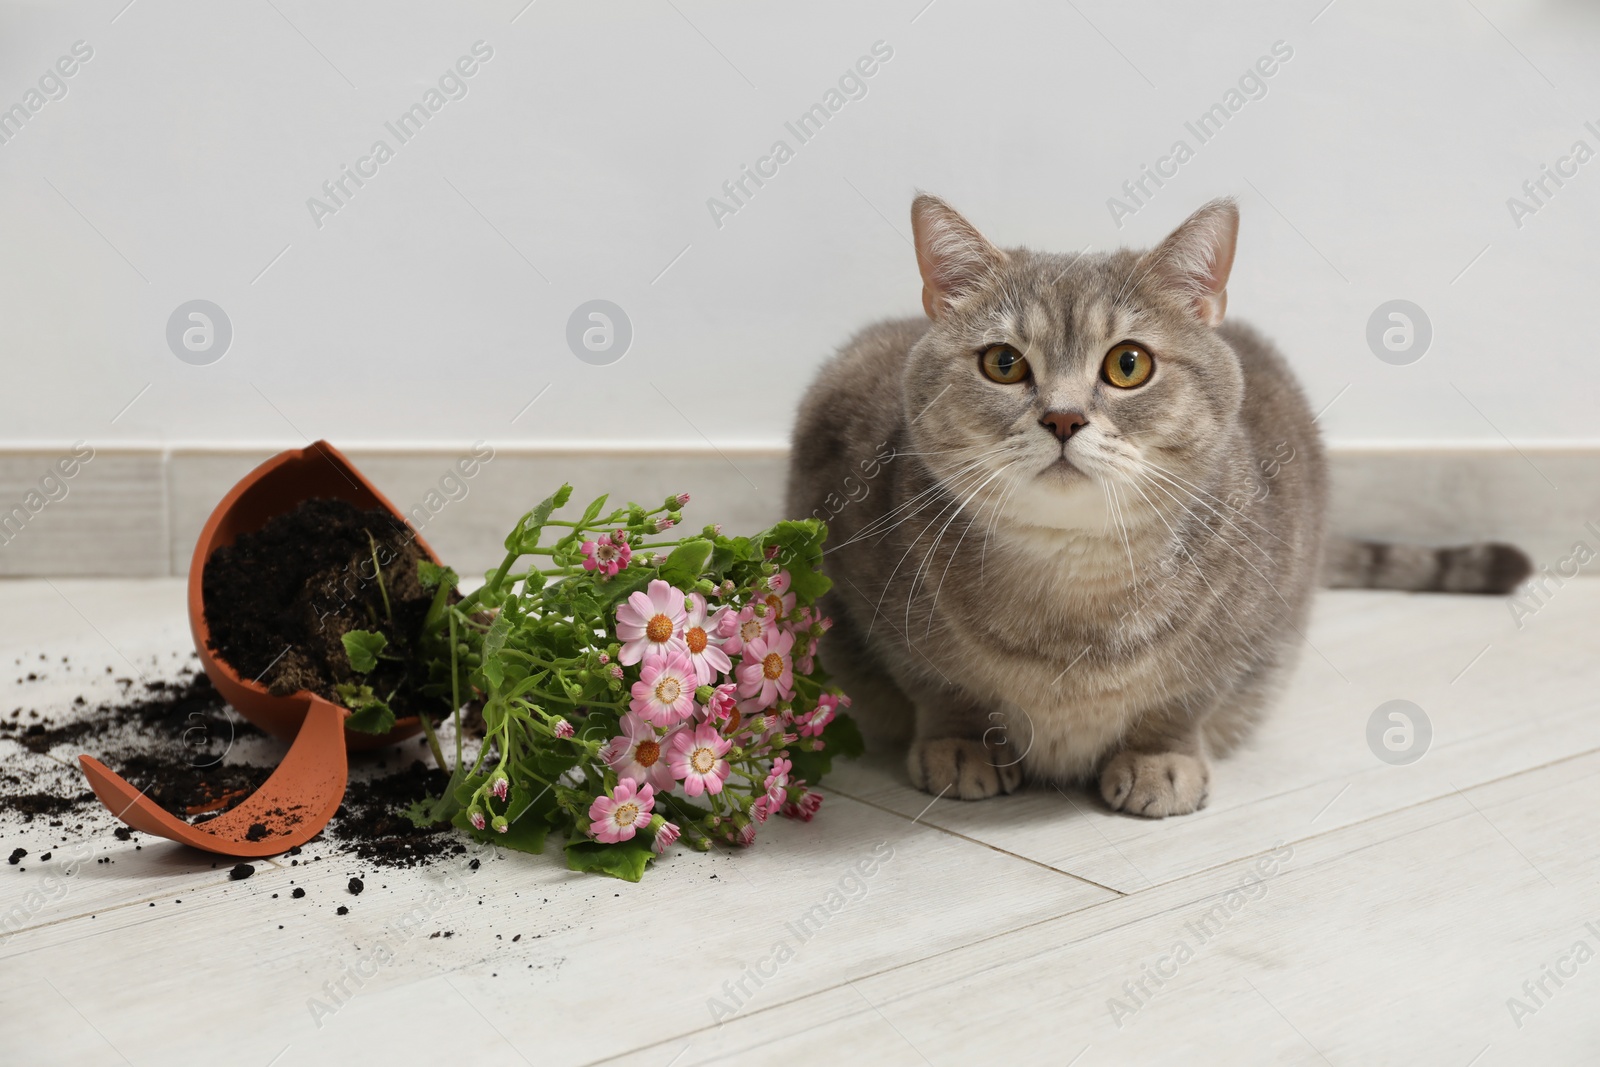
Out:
{"x": 1484, "y": 567}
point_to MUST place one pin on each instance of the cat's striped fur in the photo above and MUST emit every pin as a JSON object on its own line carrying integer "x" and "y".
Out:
{"x": 1122, "y": 602}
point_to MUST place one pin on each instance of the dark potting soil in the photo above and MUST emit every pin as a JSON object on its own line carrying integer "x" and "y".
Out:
{"x": 170, "y": 739}
{"x": 280, "y": 600}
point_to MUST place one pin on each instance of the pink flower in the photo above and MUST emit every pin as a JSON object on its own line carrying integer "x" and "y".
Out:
{"x": 666, "y": 837}
{"x": 664, "y": 523}
{"x": 762, "y": 809}
{"x": 638, "y": 753}
{"x": 724, "y": 704}
{"x": 619, "y": 816}
{"x": 766, "y": 672}
{"x": 746, "y": 836}
{"x": 778, "y": 599}
{"x": 477, "y": 820}
{"x": 606, "y": 555}
{"x": 747, "y": 627}
{"x": 664, "y": 693}
{"x": 828, "y": 705}
{"x": 650, "y": 621}
{"x": 563, "y": 728}
{"x": 805, "y": 808}
{"x": 778, "y": 781}
{"x": 500, "y": 788}
{"x": 697, "y": 759}
{"x": 683, "y": 499}
{"x": 703, "y": 642}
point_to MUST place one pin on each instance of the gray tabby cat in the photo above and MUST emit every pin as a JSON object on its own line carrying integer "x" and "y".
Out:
{"x": 1075, "y": 518}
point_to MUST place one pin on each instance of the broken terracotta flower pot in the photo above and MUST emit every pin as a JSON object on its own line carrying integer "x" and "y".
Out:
{"x": 296, "y": 802}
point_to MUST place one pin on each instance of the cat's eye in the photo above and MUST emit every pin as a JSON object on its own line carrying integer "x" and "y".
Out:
{"x": 1127, "y": 365}
{"x": 1003, "y": 364}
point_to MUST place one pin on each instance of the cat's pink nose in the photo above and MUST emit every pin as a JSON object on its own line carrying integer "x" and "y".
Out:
{"x": 1063, "y": 423}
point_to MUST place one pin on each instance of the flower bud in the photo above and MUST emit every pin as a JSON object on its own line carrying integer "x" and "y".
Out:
{"x": 604, "y": 658}
{"x": 500, "y": 824}
{"x": 477, "y": 820}
{"x": 500, "y": 788}
{"x": 563, "y": 728}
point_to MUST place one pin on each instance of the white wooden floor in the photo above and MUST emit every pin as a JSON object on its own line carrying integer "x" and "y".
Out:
{"x": 1327, "y": 907}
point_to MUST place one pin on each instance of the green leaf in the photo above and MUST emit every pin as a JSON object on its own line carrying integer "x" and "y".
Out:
{"x": 527, "y": 834}
{"x": 841, "y": 737}
{"x": 592, "y": 512}
{"x": 529, "y": 815}
{"x": 363, "y": 646}
{"x": 421, "y": 812}
{"x": 374, "y": 717}
{"x": 687, "y": 562}
{"x": 625, "y": 860}
{"x": 525, "y": 534}
{"x": 495, "y": 639}
{"x": 800, "y": 553}
{"x": 430, "y": 811}
{"x": 431, "y": 575}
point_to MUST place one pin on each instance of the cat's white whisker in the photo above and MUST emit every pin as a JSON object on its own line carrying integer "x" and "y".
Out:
{"x": 1265, "y": 554}
{"x": 928, "y": 556}
{"x": 1191, "y": 487}
{"x": 1246, "y": 559}
{"x": 934, "y": 604}
{"x": 889, "y": 582}
{"x": 877, "y": 526}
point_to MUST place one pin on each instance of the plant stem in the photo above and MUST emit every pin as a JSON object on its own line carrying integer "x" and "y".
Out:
{"x": 433, "y": 742}
{"x": 492, "y": 585}
{"x": 377, "y": 572}
{"x": 455, "y": 694}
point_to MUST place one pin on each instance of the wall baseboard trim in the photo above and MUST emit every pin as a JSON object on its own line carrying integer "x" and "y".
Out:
{"x": 135, "y": 511}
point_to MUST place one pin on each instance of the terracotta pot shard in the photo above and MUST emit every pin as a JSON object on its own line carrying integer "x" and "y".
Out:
{"x": 296, "y": 802}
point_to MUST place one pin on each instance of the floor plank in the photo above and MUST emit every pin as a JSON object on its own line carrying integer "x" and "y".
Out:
{"x": 1399, "y": 940}
{"x": 1412, "y": 902}
{"x": 1527, "y": 700}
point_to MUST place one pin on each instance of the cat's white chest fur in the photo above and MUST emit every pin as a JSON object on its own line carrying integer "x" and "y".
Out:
{"x": 1068, "y": 589}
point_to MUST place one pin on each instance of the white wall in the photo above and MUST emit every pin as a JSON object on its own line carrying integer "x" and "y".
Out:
{"x": 178, "y": 165}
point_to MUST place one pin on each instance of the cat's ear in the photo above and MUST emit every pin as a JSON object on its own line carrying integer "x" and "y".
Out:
{"x": 1197, "y": 257}
{"x": 952, "y": 255}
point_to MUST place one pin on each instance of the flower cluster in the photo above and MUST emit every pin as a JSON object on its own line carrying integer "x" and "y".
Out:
{"x": 692, "y": 708}
{"x": 636, "y": 692}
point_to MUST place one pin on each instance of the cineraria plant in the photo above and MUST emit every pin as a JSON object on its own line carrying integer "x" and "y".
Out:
{"x": 637, "y": 690}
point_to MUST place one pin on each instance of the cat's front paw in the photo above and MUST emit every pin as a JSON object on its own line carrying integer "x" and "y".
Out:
{"x": 961, "y": 767}
{"x": 1155, "y": 784}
